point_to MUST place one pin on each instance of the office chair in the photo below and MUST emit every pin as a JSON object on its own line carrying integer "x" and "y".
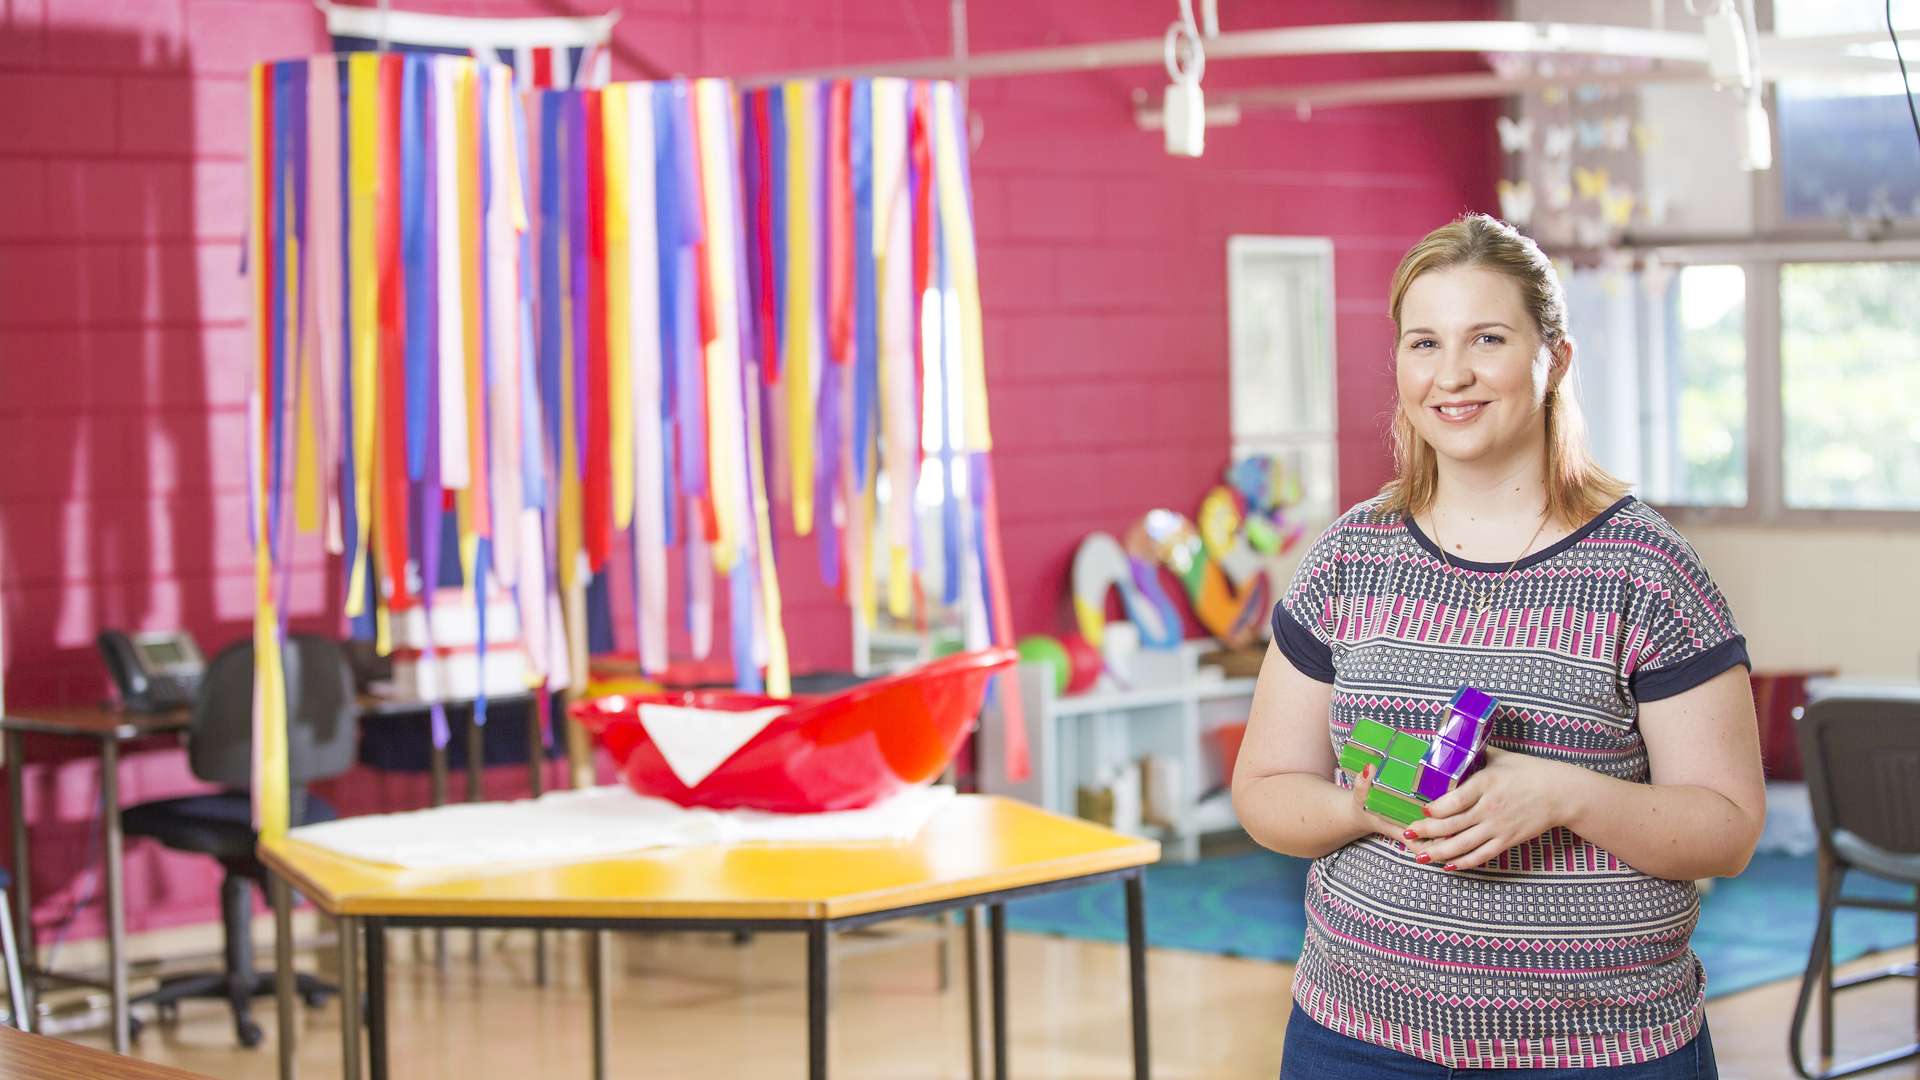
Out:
{"x": 322, "y": 727}
{"x": 1862, "y": 762}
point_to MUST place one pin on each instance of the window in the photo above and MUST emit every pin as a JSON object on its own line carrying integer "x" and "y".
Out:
{"x": 1674, "y": 384}
{"x": 1662, "y": 368}
{"x": 1280, "y": 326}
{"x": 1849, "y": 378}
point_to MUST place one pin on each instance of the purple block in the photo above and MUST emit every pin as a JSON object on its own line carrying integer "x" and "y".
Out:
{"x": 1457, "y": 748}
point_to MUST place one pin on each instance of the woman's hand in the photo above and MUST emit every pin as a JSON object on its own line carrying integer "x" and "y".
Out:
{"x": 1368, "y": 821}
{"x": 1515, "y": 798}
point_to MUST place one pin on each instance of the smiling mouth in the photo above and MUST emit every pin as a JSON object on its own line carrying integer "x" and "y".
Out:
{"x": 1459, "y": 414}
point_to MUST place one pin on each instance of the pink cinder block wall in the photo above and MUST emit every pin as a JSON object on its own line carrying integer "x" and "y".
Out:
{"x": 124, "y": 346}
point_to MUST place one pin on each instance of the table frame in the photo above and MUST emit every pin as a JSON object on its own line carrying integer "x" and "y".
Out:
{"x": 819, "y": 932}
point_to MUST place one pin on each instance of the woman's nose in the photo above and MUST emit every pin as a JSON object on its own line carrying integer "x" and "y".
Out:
{"x": 1454, "y": 372}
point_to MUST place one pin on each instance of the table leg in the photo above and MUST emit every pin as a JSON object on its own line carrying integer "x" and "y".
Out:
{"x": 376, "y": 999}
{"x": 536, "y": 784}
{"x": 997, "y": 967}
{"x": 22, "y": 873}
{"x": 976, "y": 957}
{"x": 116, "y": 892}
{"x": 817, "y": 997}
{"x": 279, "y": 895}
{"x": 597, "y": 964}
{"x": 437, "y": 796}
{"x": 475, "y": 763}
{"x": 1137, "y": 970}
{"x": 349, "y": 930}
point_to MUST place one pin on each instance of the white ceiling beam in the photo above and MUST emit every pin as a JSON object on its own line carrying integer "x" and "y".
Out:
{"x": 1472, "y": 36}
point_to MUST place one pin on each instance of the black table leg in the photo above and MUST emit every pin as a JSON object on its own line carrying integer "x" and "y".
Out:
{"x": 997, "y": 972}
{"x": 1137, "y": 970}
{"x": 376, "y": 999}
{"x": 817, "y": 990}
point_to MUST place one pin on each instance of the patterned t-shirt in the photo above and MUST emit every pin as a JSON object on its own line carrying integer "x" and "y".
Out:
{"x": 1555, "y": 954}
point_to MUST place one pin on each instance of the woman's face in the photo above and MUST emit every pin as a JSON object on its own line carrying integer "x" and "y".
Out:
{"x": 1470, "y": 366}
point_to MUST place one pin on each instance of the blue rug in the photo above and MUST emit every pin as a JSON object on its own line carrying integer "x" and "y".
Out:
{"x": 1754, "y": 929}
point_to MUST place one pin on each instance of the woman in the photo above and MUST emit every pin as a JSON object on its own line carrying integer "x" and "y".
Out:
{"x": 1538, "y": 917}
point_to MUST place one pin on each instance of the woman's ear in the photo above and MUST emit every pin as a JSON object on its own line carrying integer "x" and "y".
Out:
{"x": 1559, "y": 362}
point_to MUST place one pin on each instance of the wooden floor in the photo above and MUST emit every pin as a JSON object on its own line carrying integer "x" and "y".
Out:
{"x": 702, "y": 1005}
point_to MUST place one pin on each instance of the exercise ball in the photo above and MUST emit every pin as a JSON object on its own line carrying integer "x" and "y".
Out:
{"x": 1045, "y": 649}
{"x": 1084, "y": 663}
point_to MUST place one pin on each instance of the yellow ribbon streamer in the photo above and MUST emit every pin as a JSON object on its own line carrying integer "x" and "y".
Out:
{"x": 613, "y": 123}
{"x": 800, "y": 351}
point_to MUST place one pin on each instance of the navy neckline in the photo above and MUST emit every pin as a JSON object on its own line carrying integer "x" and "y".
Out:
{"x": 1545, "y": 553}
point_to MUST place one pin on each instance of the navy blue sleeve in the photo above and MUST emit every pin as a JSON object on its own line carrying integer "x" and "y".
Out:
{"x": 1685, "y": 632}
{"x": 1300, "y": 628}
{"x": 1313, "y": 657}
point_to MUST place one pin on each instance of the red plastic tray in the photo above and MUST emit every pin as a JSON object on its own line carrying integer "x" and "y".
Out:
{"x": 835, "y": 752}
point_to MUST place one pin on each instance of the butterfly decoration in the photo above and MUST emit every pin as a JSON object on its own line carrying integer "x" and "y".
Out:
{"x": 1588, "y": 93}
{"x": 1616, "y": 207}
{"x": 1615, "y": 131}
{"x": 1554, "y": 95}
{"x": 1516, "y": 202}
{"x": 1557, "y": 140}
{"x": 1559, "y": 195}
{"x": 1643, "y": 137}
{"x": 1592, "y": 134}
{"x": 1514, "y": 134}
{"x": 1591, "y": 183}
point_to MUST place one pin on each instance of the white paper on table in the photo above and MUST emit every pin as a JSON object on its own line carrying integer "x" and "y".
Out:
{"x": 697, "y": 741}
{"x": 569, "y": 826}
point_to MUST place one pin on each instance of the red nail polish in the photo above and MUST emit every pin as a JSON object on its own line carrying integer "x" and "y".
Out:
{"x": 1426, "y": 811}
{"x": 1422, "y": 857}
{"x": 1410, "y": 835}
{"x": 1451, "y": 866}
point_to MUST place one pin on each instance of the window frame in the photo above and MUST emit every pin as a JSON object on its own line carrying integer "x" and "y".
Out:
{"x": 1762, "y": 261}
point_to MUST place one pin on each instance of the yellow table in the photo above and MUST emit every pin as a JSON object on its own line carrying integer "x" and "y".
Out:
{"x": 979, "y": 850}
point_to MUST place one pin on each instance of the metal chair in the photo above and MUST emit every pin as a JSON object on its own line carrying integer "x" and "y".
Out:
{"x": 1862, "y": 763}
{"x": 322, "y": 733}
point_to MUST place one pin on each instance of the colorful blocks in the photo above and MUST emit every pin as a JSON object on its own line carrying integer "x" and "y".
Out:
{"x": 1411, "y": 771}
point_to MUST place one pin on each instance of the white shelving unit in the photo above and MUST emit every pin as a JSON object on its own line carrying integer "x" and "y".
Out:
{"x": 1165, "y": 711}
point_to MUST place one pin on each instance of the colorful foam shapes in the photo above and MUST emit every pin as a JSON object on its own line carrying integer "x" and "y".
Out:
{"x": 1084, "y": 661}
{"x": 1047, "y": 650}
{"x": 1101, "y": 565}
{"x": 1219, "y": 522}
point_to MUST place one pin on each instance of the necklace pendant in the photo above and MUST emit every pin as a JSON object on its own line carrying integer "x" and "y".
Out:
{"x": 1480, "y": 604}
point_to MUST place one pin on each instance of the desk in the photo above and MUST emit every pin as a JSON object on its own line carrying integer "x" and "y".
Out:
{"x": 111, "y": 727}
{"x": 35, "y": 1057}
{"x": 979, "y": 850}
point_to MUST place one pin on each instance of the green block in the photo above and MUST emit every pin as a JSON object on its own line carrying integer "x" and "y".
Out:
{"x": 1354, "y": 758}
{"x": 1409, "y": 748}
{"x": 1393, "y": 805}
{"x": 1401, "y": 776}
{"x": 1372, "y": 734}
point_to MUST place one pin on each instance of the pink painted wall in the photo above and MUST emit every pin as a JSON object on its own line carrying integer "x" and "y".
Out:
{"x": 123, "y": 341}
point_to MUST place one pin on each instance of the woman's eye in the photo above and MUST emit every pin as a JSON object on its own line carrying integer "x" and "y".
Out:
{"x": 1492, "y": 339}
{"x": 1423, "y": 343}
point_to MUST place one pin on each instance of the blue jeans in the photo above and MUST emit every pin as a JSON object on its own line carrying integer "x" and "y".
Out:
{"x": 1313, "y": 1052}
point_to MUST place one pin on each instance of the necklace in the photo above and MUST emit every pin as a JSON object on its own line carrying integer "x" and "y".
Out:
{"x": 1483, "y": 597}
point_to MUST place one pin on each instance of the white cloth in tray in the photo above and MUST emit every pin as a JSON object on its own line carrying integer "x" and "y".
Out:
{"x": 566, "y": 826}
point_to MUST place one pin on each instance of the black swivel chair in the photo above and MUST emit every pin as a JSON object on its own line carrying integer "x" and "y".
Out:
{"x": 322, "y": 730}
{"x": 1862, "y": 762}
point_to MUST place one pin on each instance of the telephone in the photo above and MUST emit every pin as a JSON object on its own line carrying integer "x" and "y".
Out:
{"x": 154, "y": 672}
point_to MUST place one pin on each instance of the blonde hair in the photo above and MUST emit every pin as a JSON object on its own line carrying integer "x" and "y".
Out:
{"x": 1577, "y": 487}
